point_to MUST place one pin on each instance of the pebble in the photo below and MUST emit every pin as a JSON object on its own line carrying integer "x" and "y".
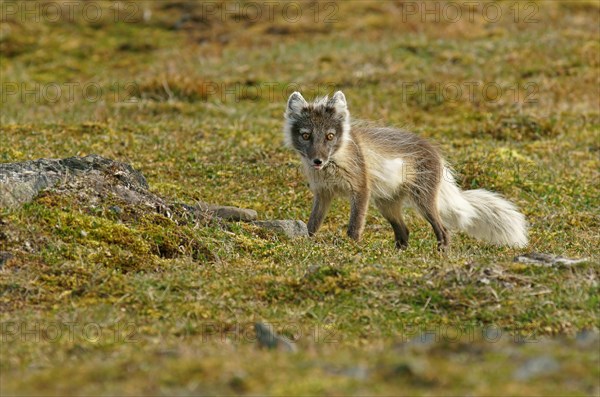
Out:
{"x": 288, "y": 228}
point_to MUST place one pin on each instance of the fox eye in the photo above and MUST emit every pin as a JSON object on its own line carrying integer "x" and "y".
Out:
{"x": 329, "y": 136}
{"x": 306, "y": 136}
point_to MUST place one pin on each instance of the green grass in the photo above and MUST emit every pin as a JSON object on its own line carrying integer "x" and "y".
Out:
{"x": 199, "y": 111}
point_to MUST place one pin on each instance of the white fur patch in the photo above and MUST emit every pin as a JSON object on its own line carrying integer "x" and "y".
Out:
{"x": 387, "y": 175}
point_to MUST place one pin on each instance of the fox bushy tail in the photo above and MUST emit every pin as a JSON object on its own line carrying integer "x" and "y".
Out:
{"x": 481, "y": 214}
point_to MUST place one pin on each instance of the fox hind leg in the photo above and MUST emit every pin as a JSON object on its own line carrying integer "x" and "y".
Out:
{"x": 392, "y": 212}
{"x": 427, "y": 206}
{"x": 430, "y": 212}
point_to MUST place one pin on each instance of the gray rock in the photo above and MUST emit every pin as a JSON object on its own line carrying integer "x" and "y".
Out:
{"x": 93, "y": 178}
{"x": 232, "y": 213}
{"x": 289, "y": 228}
{"x": 5, "y": 257}
{"x": 540, "y": 259}
{"x": 21, "y": 182}
{"x": 221, "y": 211}
{"x": 267, "y": 338}
{"x": 359, "y": 372}
{"x": 539, "y": 366}
{"x": 587, "y": 338}
{"x": 116, "y": 209}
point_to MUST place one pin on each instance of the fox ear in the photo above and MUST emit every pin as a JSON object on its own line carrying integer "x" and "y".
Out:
{"x": 295, "y": 103}
{"x": 338, "y": 102}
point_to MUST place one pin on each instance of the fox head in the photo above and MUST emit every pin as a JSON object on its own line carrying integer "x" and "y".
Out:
{"x": 317, "y": 130}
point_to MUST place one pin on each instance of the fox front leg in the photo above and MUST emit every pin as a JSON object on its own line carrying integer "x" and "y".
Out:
{"x": 321, "y": 203}
{"x": 359, "y": 204}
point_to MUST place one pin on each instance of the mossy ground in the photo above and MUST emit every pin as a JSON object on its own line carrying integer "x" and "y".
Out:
{"x": 100, "y": 302}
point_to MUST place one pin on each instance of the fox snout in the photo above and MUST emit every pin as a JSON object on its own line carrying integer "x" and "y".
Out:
{"x": 318, "y": 163}
{"x": 317, "y": 158}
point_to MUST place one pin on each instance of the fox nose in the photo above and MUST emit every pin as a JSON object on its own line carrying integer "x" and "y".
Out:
{"x": 317, "y": 161}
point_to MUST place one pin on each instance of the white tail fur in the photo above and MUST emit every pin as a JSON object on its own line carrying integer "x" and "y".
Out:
{"x": 480, "y": 213}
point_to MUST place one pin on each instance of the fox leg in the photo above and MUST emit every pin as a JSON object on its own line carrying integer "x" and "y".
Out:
{"x": 321, "y": 203}
{"x": 426, "y": 203}
{"x": 440, "y": 231}
{"x": 359, "y": 204}
{"x": 430, "y": 212}
{"x": 392, "y": 211}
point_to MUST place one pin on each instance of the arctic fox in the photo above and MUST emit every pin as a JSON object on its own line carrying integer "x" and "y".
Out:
{"x": 392, "y": 167}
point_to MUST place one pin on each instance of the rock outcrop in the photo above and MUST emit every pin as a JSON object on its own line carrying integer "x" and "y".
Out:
{"x": 93, "y": 178}
{"x": 20, "y": 183}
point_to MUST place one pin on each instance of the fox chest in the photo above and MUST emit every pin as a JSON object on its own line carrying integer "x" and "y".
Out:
{"x": 330, "y": 179}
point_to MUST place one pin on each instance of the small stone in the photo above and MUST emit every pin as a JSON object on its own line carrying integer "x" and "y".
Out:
{"x": 539, "y": 259}
{"x": 83, "y": 233}
{"x": 167, "y": 352}
{"x": 534, "y": 257}
{"x": 424, "y": 341}
{"x": 116, "y": 209}
{"x": 535, "y": 367}
{"x": 5, "y": 257}
{"x": 28, "y": 247}
{"x": 359, "y": 372}
{"x": 288, "y": 228}
{"x": 587, "y": 338}
{"x": 239, "y": 382}
{"x": 233, "y": 213}
{"x": 267, "y": 338}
